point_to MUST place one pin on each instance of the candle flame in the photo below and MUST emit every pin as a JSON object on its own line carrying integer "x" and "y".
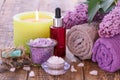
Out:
{"x": 37, "y": 15}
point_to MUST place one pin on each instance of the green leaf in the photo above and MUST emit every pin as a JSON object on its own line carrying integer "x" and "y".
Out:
{"x": 110, "y": 8}
{"x": 106, "y": 4}
{"x": 93, "y": 7}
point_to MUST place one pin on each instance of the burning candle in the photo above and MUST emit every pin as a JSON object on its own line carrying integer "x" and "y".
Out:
{"x": 31, "y": 25}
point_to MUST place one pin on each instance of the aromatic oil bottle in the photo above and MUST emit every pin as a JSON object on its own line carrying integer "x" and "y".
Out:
{"x": 58, "y": 32}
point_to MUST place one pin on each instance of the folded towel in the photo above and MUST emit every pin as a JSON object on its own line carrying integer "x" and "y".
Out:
{"x": 80, "y": 39}
{"x": 106, "y": 52}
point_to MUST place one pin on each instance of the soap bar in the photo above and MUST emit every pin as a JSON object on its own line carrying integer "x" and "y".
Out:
{"x": 14, "y": 53}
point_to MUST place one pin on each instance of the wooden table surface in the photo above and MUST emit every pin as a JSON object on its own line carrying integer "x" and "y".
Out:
{"x": 8, "y": 8}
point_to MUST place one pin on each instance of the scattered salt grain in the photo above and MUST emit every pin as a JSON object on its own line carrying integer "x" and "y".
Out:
{"x": 73, "y": 69}
{"x": 80, "y": 65}
{"x": 26, "y": 68}
{"x": 12, "y": 69}
{"x": 31, "y": 74}
{"x": 93, "y": 72}
{"x": 73, "y": 60}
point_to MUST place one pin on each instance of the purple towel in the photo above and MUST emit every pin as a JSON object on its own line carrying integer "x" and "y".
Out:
{"x": 106, "y": 52}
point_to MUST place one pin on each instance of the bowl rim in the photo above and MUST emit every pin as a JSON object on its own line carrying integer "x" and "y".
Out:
{"x": 53, "y": 45}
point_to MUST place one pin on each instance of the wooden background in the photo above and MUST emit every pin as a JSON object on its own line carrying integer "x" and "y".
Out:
{"x": 8, "y": 8}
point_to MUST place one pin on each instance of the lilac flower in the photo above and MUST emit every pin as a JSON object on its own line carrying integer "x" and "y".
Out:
{"x": 118, "y": 3}
{"x": 110, "y": 25}
{"x": 79, "y": 16}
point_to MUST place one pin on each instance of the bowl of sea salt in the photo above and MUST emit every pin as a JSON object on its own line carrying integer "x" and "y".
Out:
{"x": 55, "y": 62}
{"x": 41, "y": 49}
{"x": 55, "y": 66}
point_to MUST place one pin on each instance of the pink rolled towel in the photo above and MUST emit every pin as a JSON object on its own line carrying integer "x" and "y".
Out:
{"x": 106, "y": 52}
{"x": 80, "y": 39}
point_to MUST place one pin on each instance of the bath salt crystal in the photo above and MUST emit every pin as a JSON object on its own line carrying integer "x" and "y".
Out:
{"x": 31, "y": 74}
{"x": 94, "y": 72}
{"x": 55, "y": 60}
{"x": 12, "y": 69}
{"x": 73, "y": 69}
{"x": 26, "y": 68}
{"x": 41, "y": 42}
{"x": 80, "y": 65}
{"x": 73, "y": 60}
{"x": 41, "y": 49}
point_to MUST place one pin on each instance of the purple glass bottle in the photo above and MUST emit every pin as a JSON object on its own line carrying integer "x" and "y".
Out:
{"x": 58, "y": 32}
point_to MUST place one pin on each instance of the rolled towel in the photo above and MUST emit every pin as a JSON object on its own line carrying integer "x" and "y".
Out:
{"x": 80, "y": 39}
{"x": 106, "y": 52}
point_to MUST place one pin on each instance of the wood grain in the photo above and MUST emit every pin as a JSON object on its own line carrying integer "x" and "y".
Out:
{"x": 102, "y": 75}
{"x": 1, "y": 3}
{"x": 18, "y": 75}
{"x": 40, "y": 74}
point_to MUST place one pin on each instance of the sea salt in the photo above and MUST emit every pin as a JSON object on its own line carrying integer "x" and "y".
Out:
{"x": 73, "y": 60}
{"x": 55, "y": 60}
{"x": 31, "y": 74}
{"x": 41, "y": 49}
{"x": 80, "y": 65}
{"x": 73, "y": 69}
{"x": 41, "y": 42}
{"x": 26, "y": 68}
{"x": 12, "y": 69}
{"x": 94, "y": 72}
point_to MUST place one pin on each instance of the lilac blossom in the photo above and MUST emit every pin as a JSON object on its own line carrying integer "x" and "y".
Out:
{"x": 110, "y": 25}
{"x": 79, "y": 16}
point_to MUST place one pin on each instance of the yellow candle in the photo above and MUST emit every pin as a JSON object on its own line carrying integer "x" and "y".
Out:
{"x": 26, "y": 27}
{"x": 42, "y": 20}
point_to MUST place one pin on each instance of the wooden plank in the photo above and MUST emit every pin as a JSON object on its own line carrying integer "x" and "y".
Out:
{"x": 1, "y": 3}
{"x": 6, "y": 36}
{"x": 18, "y": 75}
{"x": 42, "y": 75}
{"x": 8, "y": 10}
{"x": 102, "y": 75}
{"x": 36, "y": 70}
